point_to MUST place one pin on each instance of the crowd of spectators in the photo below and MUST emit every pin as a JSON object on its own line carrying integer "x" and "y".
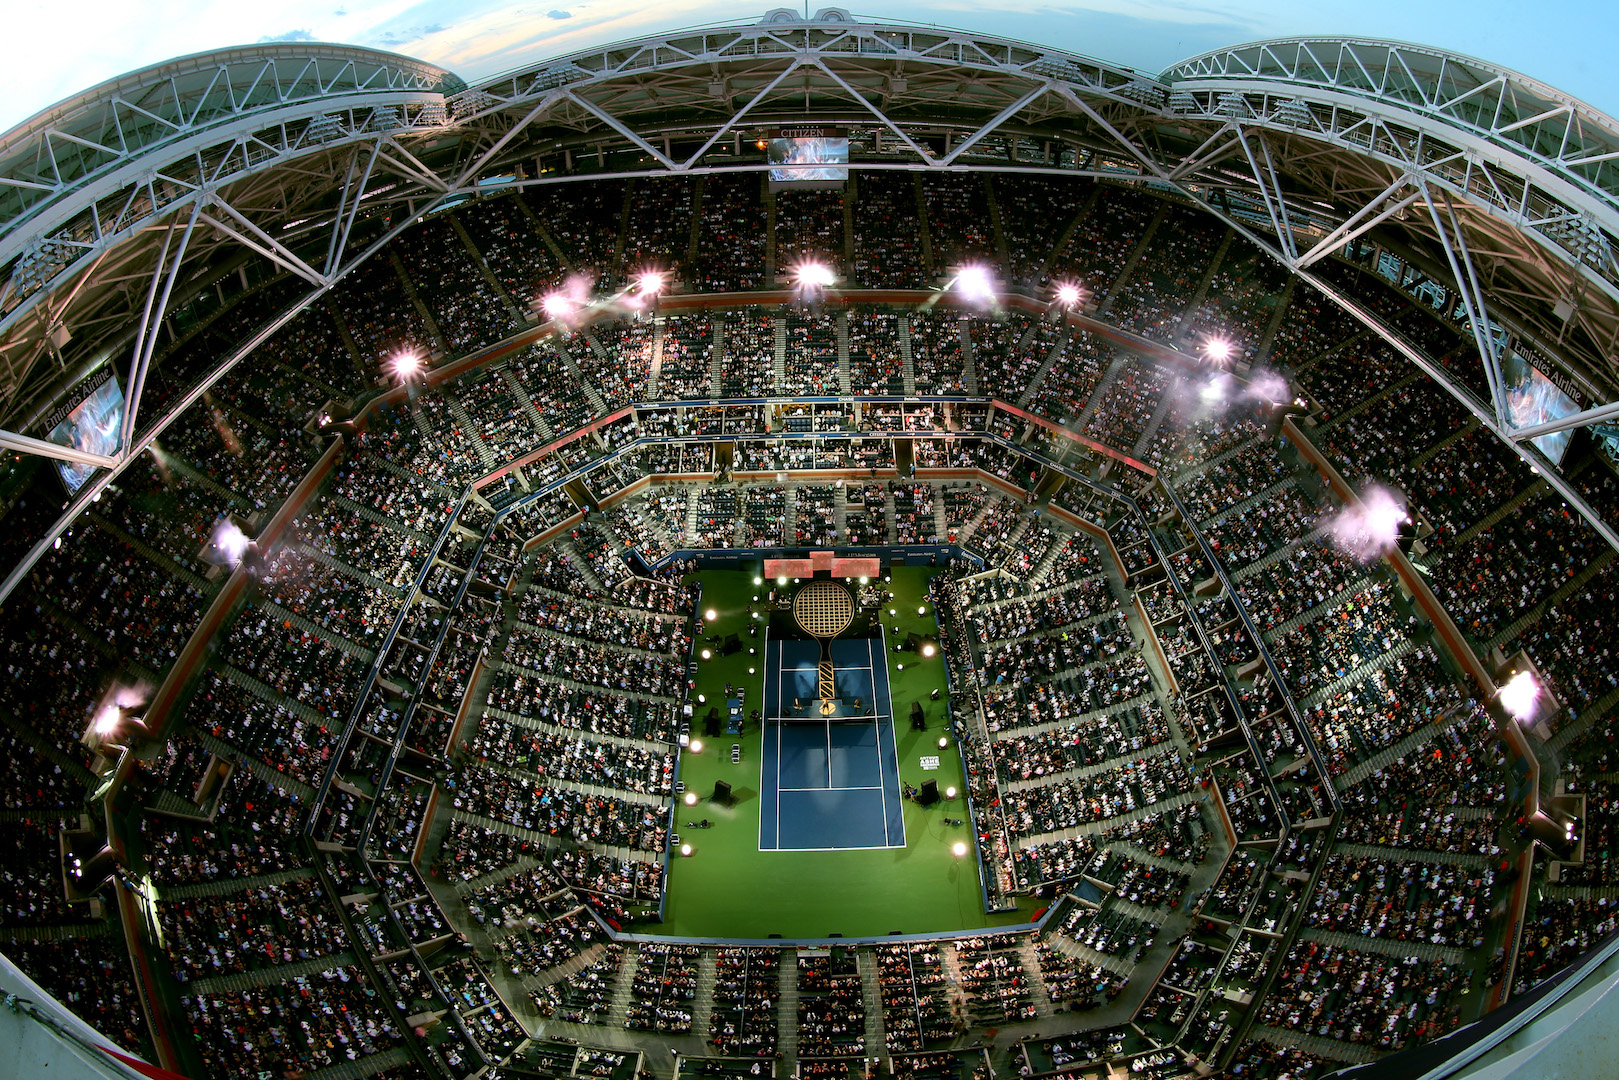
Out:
{"x": 831, "y": 1006}
{"x": 584, "y": 692}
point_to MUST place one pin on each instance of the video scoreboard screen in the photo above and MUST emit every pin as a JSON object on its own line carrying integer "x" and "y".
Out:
{"x": 809, "y": 156}
{"x": 94, "y": 425}
{"x": 1533, "y": 398}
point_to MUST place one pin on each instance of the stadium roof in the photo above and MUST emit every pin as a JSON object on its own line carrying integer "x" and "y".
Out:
{"x": 122, "y": 203}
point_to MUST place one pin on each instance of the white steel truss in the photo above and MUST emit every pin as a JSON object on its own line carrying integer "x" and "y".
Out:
{"x": 282, "y": 152}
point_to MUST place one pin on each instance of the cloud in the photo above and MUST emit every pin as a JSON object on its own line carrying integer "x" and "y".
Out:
{"x": 290, "y": 35}
{"x": 408, "y": 34}
{"x": 558, "y": 13}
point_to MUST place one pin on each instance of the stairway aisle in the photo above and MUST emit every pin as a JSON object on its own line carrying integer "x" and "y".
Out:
{"x": 787, "y": 1009}
{"x": 702, "y": 1006}
{"x": 907, "y": 362}
{"x": 872, "y": 998}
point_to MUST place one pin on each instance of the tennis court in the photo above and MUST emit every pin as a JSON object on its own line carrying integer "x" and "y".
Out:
{"x": 828, "y": 783}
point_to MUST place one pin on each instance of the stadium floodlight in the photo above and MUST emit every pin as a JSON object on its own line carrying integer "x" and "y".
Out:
{"x": 707, "y": 655}
{"x": 406, "y": 366}
{"x": 711, "y": 614}
{"x": 1068, "y": 295}
{"x": 691, "y": 798}
{"x": 813, "y": 275}
{"x": 951, "y": 792}
{"x": 558, "y": 305}
{"x": 1217, "y": 349}
{"x": 1519, "y": 695}
{"x": 649, "y": 282}
{"x": 921, "y": 609}
{"x": 116, "y": 717}
{"x": 230, "y": 542}
{"x": 758, "y": 581}
{"x": 928, "y": 649}
{"x": 1372, "y": 527}
{"x": 974, "y": 283}
{"x": 781, "y": 581}
{"x": 697, "y": 746}
{"x": 959, "y": 850}
{"x": 685, "y": 850}
{"x": 944, "y": 742}
{"x": 107, "y": 718}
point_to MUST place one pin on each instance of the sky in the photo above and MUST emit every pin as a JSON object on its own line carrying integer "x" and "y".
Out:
{"x": 1566, "y": 43}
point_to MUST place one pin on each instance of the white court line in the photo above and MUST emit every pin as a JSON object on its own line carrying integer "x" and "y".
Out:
{"x": 864, "y": 847}
{"x": 882, "y": 763}
{"x": 764, "y": 737}
{"x": 870, "y": 667}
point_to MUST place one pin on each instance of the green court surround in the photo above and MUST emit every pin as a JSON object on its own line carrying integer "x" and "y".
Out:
{"x": 728, "y": 888}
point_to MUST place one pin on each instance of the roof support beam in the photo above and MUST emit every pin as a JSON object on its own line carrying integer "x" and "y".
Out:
{"x": 27, "y": 444}
{"x": 738, "y": 115}
{"x": 1358, "y": 223}
{"x": 1289, "y": 241}
{"x": 1146, "y": 159}
{"x": 618, "y": 125}
{"x": 1000, "y": 118}
{"x": 146, "y": 337}
{"x": 926, "y": 157}
{"x": 1271, "y": 194}
{"x": 343, "y": 206}
{"x": 251, "y": 236}
{"x": 1580, "y": 419}
{"x": 1198, "y": 159}
{"x": 345, "y": 219}
{"x": 533, "y": 114}
{"x": 1454, "y": 244}
{"x": 411, "y": 167}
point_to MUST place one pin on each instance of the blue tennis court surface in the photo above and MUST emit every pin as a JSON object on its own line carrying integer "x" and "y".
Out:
{"x": 829, "y": 784}
{"x": 790, "y": 674}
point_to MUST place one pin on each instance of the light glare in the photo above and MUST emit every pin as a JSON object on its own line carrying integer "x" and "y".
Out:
{"x": 1368, "y": 530}
{"x": 814, "y": 275}
{"x": 1519, "y": 695}
{"x": 973, "y": 282}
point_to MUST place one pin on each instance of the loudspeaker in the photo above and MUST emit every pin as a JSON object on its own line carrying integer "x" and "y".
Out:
{"x": 929, "y": 793}
{"x": 733, "y": 644}
{"x": 913, "y": 642}
{"x": 722, "y": 792}
{"x": 919, "y": 719}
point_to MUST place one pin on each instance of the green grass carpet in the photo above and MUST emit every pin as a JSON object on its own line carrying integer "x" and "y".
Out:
{"x": 729, "y": 888}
